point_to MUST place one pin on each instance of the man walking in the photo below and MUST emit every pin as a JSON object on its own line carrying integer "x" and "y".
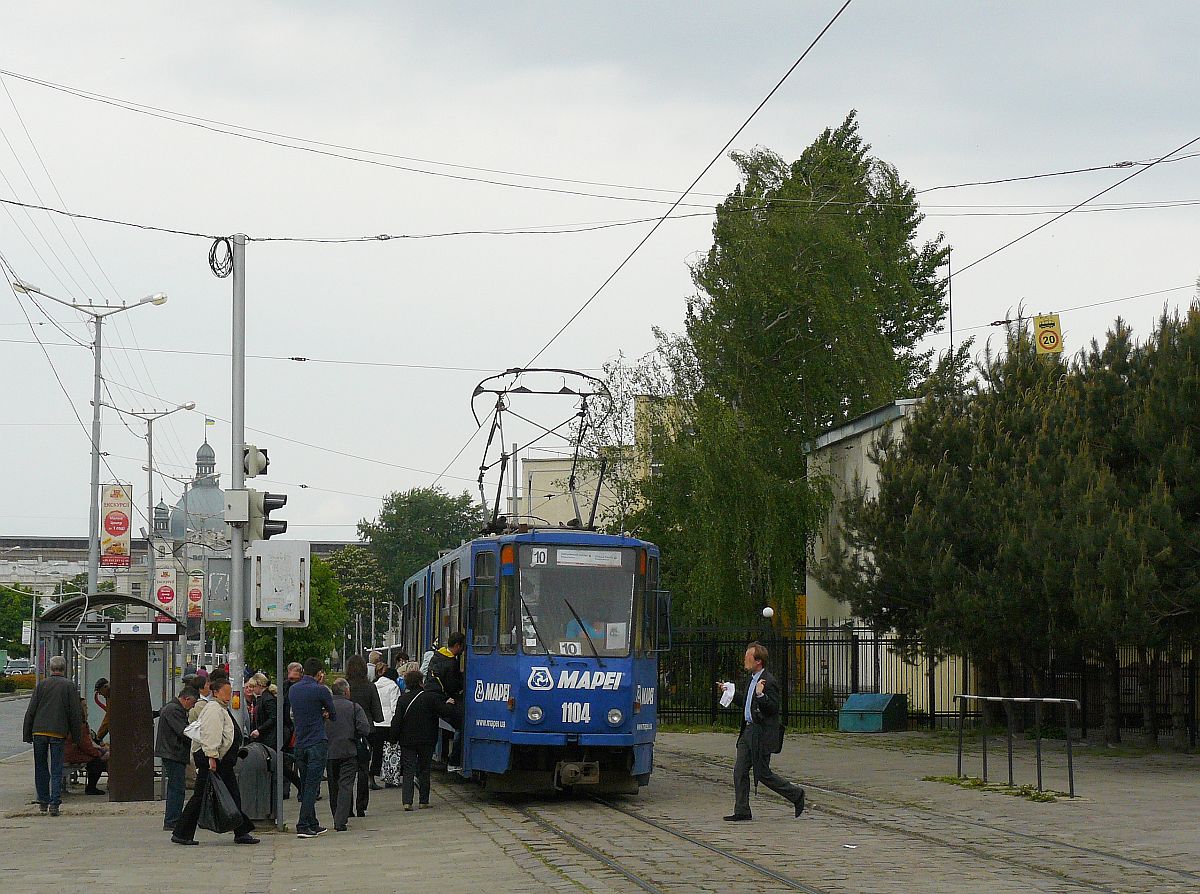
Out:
{"x": 54, "y": 713}
{"x": 760, "y": 737}
{"x": 345, "y": 731}
{"x": 175, "y": 748}
{"x": 311, "y": 705}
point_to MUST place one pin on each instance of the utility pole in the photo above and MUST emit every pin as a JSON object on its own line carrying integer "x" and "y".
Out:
{"x": 516, "y": 507}
{"x": 97, "y": 312}
{"x": 237, "y": 613}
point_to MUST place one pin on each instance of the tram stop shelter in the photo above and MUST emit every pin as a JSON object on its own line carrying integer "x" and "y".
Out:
{"x": 72, "y": 630}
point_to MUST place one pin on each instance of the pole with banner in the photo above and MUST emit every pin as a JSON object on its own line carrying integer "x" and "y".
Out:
{"x": 116, "y": 505}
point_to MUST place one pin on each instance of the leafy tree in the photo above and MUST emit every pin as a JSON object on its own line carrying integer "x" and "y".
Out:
{"x": 412, "y": 526}
{"x": 15, "y": 607}
{"x": 360, "y": 580}
{"x": 810, "y": 306}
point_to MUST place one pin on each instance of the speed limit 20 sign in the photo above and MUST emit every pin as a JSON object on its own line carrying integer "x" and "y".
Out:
{"x": 1047, "y": 334}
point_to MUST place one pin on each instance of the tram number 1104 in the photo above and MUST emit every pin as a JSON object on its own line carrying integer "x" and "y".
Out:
{"x": 576, "y": 712}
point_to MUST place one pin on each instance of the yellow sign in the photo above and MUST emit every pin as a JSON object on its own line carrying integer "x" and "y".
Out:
{"x": 1047, "y": 334}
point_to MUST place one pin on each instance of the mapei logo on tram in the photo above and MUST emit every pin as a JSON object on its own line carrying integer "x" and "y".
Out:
{"x": 541, "y": 679}
{"x": 492, "y": 692}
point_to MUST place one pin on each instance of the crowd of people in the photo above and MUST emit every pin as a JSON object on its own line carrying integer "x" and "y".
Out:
{"x": 376, "y": 727}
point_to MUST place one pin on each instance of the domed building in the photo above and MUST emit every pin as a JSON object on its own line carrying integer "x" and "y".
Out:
{"x": 202, "y": 506}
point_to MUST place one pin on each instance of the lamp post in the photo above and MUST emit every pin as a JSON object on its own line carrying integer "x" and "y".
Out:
{"x": 98, "y": 313}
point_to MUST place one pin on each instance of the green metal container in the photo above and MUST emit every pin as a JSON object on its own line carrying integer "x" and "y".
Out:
{"x": 868, "y": 712}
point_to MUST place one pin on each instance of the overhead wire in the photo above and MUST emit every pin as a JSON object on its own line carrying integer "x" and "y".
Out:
{"x": 1064, "y": 310}
{"x": 719, "y": 154}
{"x": 250, "y": 133}
{"x": 1063, "y": 214}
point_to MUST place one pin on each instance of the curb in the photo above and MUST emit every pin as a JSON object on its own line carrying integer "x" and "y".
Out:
{"x": 13, "y": 696}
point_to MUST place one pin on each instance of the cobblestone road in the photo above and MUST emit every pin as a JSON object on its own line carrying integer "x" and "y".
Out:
{"x": 873, "y": 825}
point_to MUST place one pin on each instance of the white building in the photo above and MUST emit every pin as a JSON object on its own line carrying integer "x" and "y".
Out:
{"x": 842, "y": 454}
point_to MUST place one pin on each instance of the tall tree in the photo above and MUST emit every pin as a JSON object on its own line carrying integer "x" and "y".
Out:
{"x": 412, "y": 526}
{"x": 810, "y": 307}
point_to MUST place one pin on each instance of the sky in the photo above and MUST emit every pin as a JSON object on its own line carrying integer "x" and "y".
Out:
{"x": 623, "y": 94}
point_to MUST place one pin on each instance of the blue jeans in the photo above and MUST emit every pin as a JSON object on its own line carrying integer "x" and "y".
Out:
{"x": 48, "y": 769}
{"x": 310, "y": 763}
{"x": 175, "y": 774}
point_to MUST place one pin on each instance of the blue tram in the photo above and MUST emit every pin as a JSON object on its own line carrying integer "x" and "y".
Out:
{"x": 563, "y": 631}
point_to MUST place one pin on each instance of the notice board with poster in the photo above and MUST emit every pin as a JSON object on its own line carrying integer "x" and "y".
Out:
{"x": 116, "y": 505}
{"x": 195, "y": 602}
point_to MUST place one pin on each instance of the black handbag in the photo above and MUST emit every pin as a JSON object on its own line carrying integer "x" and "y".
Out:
{"x": 218, "y": 811}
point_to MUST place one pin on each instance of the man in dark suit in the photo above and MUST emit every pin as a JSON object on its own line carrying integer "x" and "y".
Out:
{"x": 760, "y": 701}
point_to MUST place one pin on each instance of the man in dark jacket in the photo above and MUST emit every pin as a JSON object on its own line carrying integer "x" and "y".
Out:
{"x": 53, "y": 715}
{"x": 344, "y": 732}
{"x": 445, "y": 682}
{"x": 415, "y": 730}
{"x": 311, "y": 706}
{"x": 760, "y": 701}
{"x": 175, "y": 749}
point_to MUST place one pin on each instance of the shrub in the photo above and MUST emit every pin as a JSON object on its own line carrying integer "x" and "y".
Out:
{"x": 23, "y": 681}
{"x": 7, "y": 684}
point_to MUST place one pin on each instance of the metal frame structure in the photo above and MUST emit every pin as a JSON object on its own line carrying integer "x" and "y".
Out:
{"x": 1067, "y": 703}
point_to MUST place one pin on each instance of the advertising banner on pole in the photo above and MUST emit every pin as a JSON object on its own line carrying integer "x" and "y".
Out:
{"x": 195, "y": 602}
{"x": 164, "y": 593}
{"x": 116, "y": 506}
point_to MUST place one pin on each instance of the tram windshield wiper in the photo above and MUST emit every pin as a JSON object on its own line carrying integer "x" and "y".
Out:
{"x": 536, "y": 632}
{"x": 583, "y": 627}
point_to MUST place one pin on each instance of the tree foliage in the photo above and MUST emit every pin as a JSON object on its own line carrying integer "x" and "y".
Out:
{"x": 1045, "y": 508}
{"x": 809, "y": 308}
{"x": 412, "y": 526}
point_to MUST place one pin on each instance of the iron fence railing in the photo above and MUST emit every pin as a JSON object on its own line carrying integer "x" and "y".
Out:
{"x": 819, "y": 666}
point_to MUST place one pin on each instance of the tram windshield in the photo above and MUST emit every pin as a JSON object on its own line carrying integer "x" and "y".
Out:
{"x": 576, "y": 600}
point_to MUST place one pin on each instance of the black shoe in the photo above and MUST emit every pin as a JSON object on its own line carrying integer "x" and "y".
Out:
{"x": 94, "y": 791}
{"x": 168, "y": 827}
{"x": 245, "y": 839}
{"x": 177, "y": 840}
{"x": 800, "y": 803}
{"x": 738, "y": 818}
{"x": 375, "y": 786}
{"x": 340, "y": 829}
{"x": 361, "y": 813}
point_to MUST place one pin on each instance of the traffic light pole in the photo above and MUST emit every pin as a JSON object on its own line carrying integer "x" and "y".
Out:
{"x": 237, "y": 613}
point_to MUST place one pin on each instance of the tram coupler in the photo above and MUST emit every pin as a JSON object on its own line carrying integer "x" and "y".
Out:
{"x": 568, "y": 773}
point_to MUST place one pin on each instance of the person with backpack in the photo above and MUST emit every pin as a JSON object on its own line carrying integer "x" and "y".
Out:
{"x": 415, "y": 730}
{"x": 760, "y": 700}
{"x": 445, "y": 682}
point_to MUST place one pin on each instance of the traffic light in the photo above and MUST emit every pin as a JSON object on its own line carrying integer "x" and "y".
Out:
{"x": 261, "y": 526}
{"x": 254, "y": 461}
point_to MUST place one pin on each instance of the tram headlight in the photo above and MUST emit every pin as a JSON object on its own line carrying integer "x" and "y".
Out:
{"x": 615, "y": 717}
{"x": 535, "y": 714}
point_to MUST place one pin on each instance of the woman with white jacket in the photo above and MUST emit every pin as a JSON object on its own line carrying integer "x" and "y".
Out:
{"x": 215, "y": 754}
{"x": 389, "y": 694}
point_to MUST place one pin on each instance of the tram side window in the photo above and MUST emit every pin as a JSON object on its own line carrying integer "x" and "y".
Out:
{"x": 483, "y": 603}
{"x": 510, "y": 627}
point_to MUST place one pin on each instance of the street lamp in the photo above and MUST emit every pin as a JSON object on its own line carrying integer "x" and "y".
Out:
{"x": 97, "y": 312}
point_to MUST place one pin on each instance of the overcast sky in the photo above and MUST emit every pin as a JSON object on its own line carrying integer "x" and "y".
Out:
{"x": 633, "y": 94}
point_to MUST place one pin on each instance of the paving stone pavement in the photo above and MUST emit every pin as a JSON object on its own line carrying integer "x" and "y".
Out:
{"x": 873, "y": 825}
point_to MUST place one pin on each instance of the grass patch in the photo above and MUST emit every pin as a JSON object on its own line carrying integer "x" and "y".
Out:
{"x": 1028, "y": 792}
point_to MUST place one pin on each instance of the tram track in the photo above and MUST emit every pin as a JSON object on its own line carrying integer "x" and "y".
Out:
{"x": 585, "y": 826}
{"x": 933, "y": 837}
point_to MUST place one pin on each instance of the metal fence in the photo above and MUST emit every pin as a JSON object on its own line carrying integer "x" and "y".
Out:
{"x": 819, "y": 666}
